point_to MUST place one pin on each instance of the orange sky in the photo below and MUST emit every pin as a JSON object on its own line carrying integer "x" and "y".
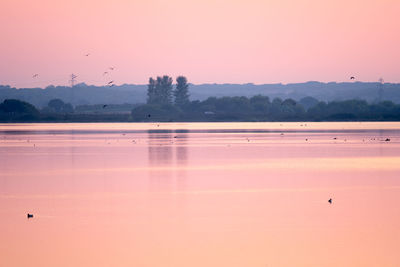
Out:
{"x": 232, "y": 41}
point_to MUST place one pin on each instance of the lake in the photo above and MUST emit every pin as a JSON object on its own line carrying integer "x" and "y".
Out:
{"x": 200, "y": 194}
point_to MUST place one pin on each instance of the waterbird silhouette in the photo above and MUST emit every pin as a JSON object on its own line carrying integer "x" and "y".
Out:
{"x": 111, "y": 68}
{"x": 88, "y": 54}
{"x": 29, "y": 215}
{"x": 35, "y": 75}
{"x": 352, "y": 78}
{"x": 110, "y": 82}
{"x": 104, "y": 73}
{"x": 330, "y": 201}
{"x": 104, "y": 106}
{"x": 387, "y": 139}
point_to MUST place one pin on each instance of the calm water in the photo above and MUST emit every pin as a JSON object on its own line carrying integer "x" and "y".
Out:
{"x": 200, "y": 194}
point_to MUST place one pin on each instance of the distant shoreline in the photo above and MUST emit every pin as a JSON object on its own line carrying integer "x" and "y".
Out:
{"x": 183, "y": 121}
{"x": 226, "y": 109}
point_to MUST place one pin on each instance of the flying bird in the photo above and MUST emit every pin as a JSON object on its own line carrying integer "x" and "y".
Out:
{"x": 104, "y": 106}
{"x": 330, "y": 201}
{"x": 111, "y": 68}
{"x": 35, "y": 75}
{"x": 29, "y": 216}
{"x": 104, "y": 73}
{"x": 88, "y": 54}
{"x": 352, "y": 78}
{"x": 110, "y": 82}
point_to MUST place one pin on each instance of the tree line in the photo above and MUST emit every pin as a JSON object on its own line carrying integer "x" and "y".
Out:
{"x": 160, "y": 106}
{"x": 261, "y": 108}
{"x": 167, "y": 101}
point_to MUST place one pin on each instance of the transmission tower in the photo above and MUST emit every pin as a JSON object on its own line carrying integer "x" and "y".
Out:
{"x": 72, "y": 81}
{"x": 380, "y": 88}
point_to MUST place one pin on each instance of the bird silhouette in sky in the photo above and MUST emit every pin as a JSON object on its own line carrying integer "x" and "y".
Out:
{"x": 352, "y": 78}
{"x": 104, "y": 106}
{"x": 330, "y": 201}
{"x": 29, "y": 215}
{"x": 88, "y": 54}
{"x": 104, "y": 73}
{"x": 111, "y": 68}
{"x": 35, "y": 75}
{"x": 110, "y": 82}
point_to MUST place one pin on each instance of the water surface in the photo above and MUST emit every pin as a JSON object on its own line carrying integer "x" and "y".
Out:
{"x": 200, "y": 194}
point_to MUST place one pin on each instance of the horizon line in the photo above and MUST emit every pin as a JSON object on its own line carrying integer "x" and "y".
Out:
{"x": 206, "y": 83}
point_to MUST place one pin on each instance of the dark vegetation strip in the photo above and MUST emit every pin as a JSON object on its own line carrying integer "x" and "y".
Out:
{"x": 168, "y": 104}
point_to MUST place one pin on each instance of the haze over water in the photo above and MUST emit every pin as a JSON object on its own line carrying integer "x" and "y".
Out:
{"x": 200, "y": 194}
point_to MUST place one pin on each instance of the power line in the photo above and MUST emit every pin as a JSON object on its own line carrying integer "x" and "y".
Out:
{"x": 72, "y": 81}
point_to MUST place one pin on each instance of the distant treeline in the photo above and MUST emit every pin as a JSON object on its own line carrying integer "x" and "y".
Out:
{"x": 166, "y": 104}
{"x": 82, "y": 94}
{"x": 257, "y": 108}
{"x": 260, "y": 108}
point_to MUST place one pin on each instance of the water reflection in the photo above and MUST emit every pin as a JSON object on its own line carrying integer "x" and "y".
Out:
{"x": 181, "y": 158}
{"x": 159, "y": 148}
{"x": 167, "y": 149}
{"x": 181, "y": 198}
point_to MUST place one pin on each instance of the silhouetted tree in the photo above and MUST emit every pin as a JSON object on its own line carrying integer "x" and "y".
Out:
{"x": 165, "y": 89}
{"x": 260, "y": 103}
{"x": 159, "y": 91}
{"x": 181, "y": 92}
{"x": 151, "y": 91}
{"x": 58, "y": 106}
{"x": 17, "y": 107}
{"x": 17, "y": 110}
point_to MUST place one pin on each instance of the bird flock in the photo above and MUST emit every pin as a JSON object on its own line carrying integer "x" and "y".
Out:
{"x": 107, "y": 72}
{"x": 111, "y": 83}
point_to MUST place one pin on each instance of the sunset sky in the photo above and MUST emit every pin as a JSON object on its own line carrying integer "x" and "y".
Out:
{"x": 221, "y": 41}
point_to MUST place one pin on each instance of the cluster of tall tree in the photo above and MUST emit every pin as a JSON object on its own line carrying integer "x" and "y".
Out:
{"x": 160, "y": 91}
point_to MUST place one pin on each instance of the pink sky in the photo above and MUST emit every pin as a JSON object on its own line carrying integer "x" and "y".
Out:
{"x": 222, "y": 41}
